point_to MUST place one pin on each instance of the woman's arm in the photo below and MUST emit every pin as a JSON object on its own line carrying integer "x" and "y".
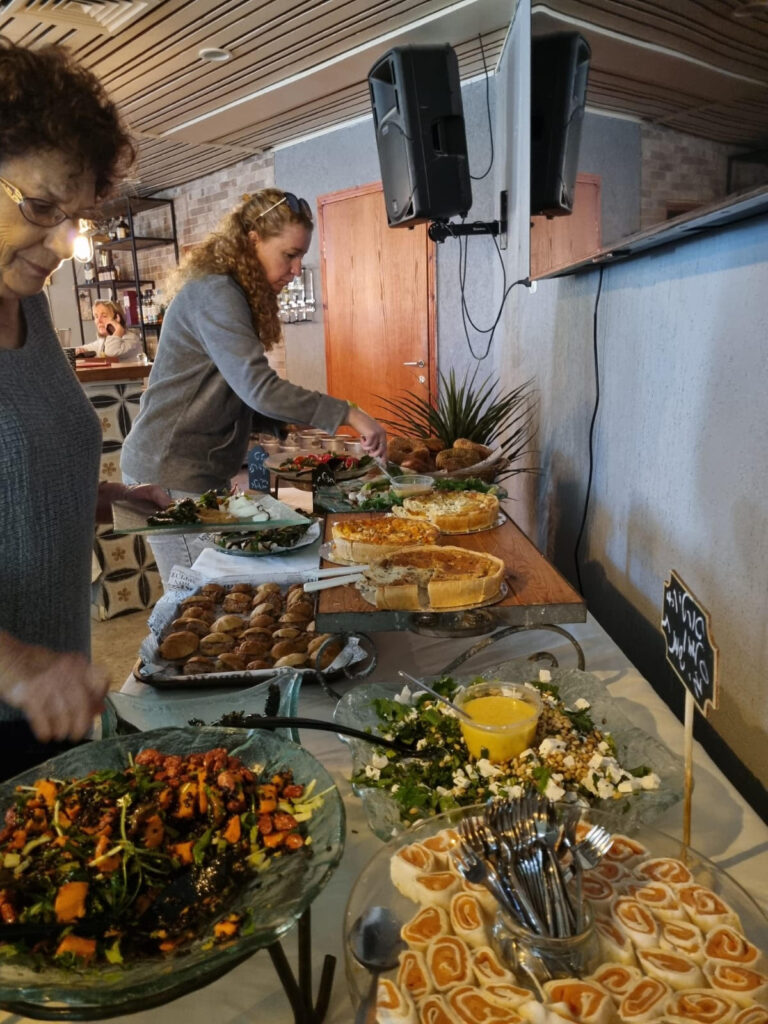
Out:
{"x": 59, "y": 693}
{"x": 373, "y": 436}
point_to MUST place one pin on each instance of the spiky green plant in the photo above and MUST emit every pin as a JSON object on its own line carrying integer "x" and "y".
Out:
{"x": 476, "y": 411}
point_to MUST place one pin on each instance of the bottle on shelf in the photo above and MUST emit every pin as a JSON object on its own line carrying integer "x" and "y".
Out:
{"x": 89, "y": 272}
{"x": 122, "y": 228}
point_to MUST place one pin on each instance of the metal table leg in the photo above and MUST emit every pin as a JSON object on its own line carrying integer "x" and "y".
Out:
{"x": 300, "y": 992}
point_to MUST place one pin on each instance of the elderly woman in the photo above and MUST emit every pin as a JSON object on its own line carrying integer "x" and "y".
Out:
{"x": 62, "y": 146}
{"x": 211, "y": 383}
{"x": 113, "y": 339}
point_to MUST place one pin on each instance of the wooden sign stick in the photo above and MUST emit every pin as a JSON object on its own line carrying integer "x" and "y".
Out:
{"x": 688, "y": 766}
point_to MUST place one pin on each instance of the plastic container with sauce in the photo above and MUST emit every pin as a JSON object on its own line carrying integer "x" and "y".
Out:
{"x": 504, "y": 718}
{"x": 410, "y": 485}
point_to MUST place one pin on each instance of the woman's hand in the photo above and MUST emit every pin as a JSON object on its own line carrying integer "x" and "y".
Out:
{"x": 59, "y": 693}
{"x": 137, "y": 494}
{"x": 373, "y": 437}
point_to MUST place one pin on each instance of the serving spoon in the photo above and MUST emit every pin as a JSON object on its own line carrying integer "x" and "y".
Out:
{"x": 376, "y": 944}
{"x": 438, "y": 696}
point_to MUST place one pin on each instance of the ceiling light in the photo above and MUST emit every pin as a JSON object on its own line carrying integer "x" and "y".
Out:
{"x": 213, "y": 54}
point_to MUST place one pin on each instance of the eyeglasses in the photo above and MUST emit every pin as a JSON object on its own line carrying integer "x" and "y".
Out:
{"x": 295, "y": 205}
{"x": 42, "y": 213}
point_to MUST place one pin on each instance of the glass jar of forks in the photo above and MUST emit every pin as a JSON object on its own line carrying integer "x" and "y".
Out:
{"x": 544, "y": 957}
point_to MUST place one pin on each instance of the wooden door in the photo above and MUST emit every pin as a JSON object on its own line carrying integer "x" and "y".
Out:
{"x": 378, "y": 301}
{"x": 559, "y": 241}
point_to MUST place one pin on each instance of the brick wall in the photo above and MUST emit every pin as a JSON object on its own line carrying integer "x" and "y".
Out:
{"x": 199, "y": 206}
{"x": 678, "y": 169}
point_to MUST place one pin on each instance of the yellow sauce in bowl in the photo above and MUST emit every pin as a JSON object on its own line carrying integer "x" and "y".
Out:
{"x": 510, "y": 726}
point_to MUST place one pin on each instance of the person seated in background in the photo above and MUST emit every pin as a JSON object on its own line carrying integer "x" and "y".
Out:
{"x": 113, "y": 339}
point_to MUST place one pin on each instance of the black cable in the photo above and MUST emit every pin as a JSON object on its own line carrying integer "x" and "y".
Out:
{"x": 479, "y": 177}
{"x": 465, "y": 315}
{"x": 591, "y": 433}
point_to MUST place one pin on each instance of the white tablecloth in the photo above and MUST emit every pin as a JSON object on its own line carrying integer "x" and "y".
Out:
{"x": 724, "y": 827}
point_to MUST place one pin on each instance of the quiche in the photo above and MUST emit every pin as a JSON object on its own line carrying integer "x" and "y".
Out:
{"x": 433, "y": 578}
{"x": 453, "y": 511}
{"x": 363, "y": 539}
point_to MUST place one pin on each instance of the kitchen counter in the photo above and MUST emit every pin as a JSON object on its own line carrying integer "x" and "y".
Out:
{"x": 112, "y": 372}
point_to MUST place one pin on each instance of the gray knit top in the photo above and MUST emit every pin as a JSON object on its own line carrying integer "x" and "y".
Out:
{"x": 50, "y": 446}
{"x": 209, "y": 378}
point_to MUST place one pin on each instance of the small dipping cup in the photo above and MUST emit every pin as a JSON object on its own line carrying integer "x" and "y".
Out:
{"x": 505, "y": 716}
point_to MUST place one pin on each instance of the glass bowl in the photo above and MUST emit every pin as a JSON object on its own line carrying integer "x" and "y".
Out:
{"x": 634, "y": 746}
{"x": 374, "y": 886}
{"x": 410, "y": 484}
{"x": 504, "y": 718}
{"x": 276, "y": 897}
{"x": 354, "y": 448}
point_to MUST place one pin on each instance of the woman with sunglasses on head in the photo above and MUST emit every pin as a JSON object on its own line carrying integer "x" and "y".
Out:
{"x": 211, "y": 385}
{"x": 62, "y": 146}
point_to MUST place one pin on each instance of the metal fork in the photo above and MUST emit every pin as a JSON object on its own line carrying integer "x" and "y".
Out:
{"x": 479, "y": 871}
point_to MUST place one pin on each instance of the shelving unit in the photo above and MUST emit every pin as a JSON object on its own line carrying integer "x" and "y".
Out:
{"x": 131, "y": 209}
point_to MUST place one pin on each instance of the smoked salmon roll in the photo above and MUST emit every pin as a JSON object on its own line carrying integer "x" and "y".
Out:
{"x": 626, "y": 851}
{"x": 683, "y": 937}
{"x": 441, "y": 845}
{"x": 434, "y": 889}
{"x": 449, "y": 962}
{"x": 617, "y": 979}
{"x": 435, "y": 1010}
{"x": 473, "y": 1005}
{"x": 598, "y": 891}
{"x": 741, "y": 984}
{"x": 612, "y": 871}
{"x": 637, "y": 923}
{"x": 702, "y": 1005}
{"x": 394, "y": 1006}
{"x": 706, "y": 909}
{"x": 726, "y": 944}
{"x": 467, "y": 920}
{"x": 508, "y": 994}
{"x": 484, "y": 897}
{"x": 424, "y": 926}
{"x": 406, "y": 863}
{"x": 587, "y": 1001}
{"x": 413, "y": 976}
{"x": 675, "y": 969}
{"x": 644, "y": 1002}
{"x": 615, "y": 945}
{"x": 662, "y": 901}
{"x": 754, "y": 1014}
{"x": 664, "y": 869}
{"x": 488, "y": 969}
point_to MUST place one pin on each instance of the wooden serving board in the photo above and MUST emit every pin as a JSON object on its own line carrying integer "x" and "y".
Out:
{"x": 537, "y": 593}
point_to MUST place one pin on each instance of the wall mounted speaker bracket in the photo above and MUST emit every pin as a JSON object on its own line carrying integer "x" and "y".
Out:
{"x": 439, "y": 230}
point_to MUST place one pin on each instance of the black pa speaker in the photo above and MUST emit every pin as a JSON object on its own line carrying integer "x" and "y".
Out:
{"x": 559, "y": 71}
{"x": 419, "y": 122}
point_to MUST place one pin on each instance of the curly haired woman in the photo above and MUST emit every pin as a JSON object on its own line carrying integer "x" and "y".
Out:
{"x": 211, "y": 383}
{"x": 62, "y": 148}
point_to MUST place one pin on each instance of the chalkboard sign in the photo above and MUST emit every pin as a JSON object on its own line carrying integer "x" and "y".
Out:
{"x": 258, "y": 474}
{"x": 691, "y": 651}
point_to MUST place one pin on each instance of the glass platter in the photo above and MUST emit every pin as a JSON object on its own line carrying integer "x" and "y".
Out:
{"x": 368, "y": 595}
{"x": 374, "y": 887}
{"x": 634, "y": 746}
{"x": 105, "y": 991}
{"x": 308, "y": 538}
{"x": 274, "y": 461}
{"x": 133, "y": 519}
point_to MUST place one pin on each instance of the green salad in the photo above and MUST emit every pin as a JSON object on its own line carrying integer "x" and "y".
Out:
{"x": 569, "y": 754}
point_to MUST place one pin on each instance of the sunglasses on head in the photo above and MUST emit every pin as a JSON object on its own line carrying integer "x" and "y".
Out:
{"x": 295, "y": 205}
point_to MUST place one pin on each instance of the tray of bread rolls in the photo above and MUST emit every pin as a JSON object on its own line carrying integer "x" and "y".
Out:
{"x": 239, "y": 631}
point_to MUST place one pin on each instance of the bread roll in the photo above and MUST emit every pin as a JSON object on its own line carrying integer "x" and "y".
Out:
{"x": 259, "y": 664}
{"x": 229, "y": 661}
{"x": 216, "y": 643}
{"x": 253, "y": 648}
{"x": 242, "y": 588}
{"x": 234, "y": 624}
{"x": 318, "y": 641}
{"x": 291, "y": 661}
{"x": 292, "y": 616}
{"x": 286, "y": 633}
{"x": 197, "y": 601}
{"x": 198, "y": 665}
{"x": 267, "y": 588}
{"x": 197, "y": 612}
{"x": 214, "y": 592}
{"x": 456, "y": 458}
{"x": 196, "y": 626}
{"x": 267, "y": 609}
{"x": 327, "y": 656}
{"x": 265, "y": 621}
{"x": 238, "y": 602}
{"x": 179, "y": 645}
{"x": 255, "y": 632}
{"x": 481, "y": 450}
{"x": 285, "y": 647}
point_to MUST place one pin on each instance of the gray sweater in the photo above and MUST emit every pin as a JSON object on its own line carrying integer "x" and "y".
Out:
{"x": 50, "y": 447}
{"x": 209, "y": 378}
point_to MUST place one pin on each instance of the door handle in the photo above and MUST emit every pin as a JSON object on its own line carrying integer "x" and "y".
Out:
{"x": 419, "y": 363}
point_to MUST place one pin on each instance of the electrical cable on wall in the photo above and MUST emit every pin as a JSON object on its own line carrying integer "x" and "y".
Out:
{"x": 479, "y": 177}
{"x": 591, "y": 433}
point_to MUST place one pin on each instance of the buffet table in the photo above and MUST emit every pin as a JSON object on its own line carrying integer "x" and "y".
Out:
{"x": 724, "y": 827}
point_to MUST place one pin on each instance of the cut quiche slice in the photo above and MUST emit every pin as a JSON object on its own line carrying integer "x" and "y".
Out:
{"x": 433, "y": 578}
